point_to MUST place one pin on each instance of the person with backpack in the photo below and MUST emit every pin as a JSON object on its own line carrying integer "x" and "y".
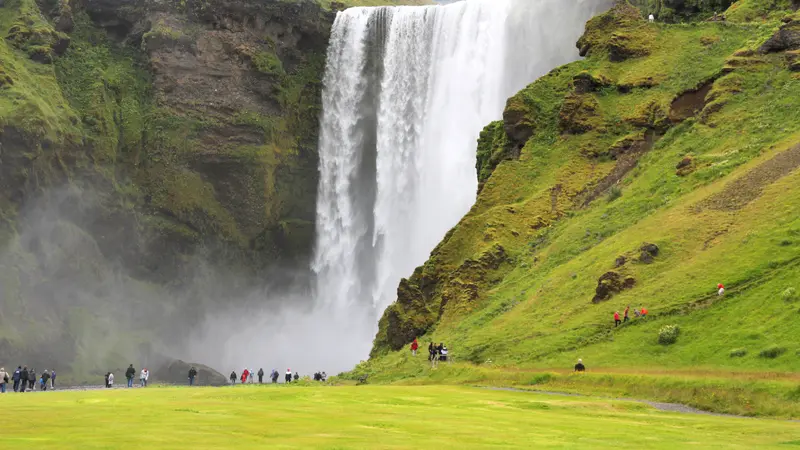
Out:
{"x": 617, "y": 321}
{"x": 288, "y": 377}
{"x": 23, "y": 379}
{"x": 275, "y": 376}
{"x": 3, "y": 380}
{"x": 580, "y": 368}
{"x": 233, "y": 377}
{"x": 414, "y": 347}
{"x": 31, "y": 378}
{"x": 45, "y": 379}
{"x": 261, "y": 376}
{"x": 15, "y": 377}
{"x": 129, "y": 374}
{"x": 192, "y": 375}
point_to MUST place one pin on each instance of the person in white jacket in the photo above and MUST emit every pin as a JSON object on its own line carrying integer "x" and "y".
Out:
{"x": 110, "y": 380}
{"x": 144, "y": 376}
{"x": 4, "y": 378}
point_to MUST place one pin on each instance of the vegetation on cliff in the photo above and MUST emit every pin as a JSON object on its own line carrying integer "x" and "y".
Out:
{"x": 659, "y": 166}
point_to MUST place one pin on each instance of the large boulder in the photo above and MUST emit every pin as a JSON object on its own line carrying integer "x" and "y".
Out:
{"x": 177, "y": 372}
{"x": 786, "y": 38}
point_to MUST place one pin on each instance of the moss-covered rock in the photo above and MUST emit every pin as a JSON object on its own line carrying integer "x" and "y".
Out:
{"x": 621, "y": 33}
{"x": 579, "y": 114}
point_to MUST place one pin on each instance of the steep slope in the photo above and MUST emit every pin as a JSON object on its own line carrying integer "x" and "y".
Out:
{"x": 661, "y": 165}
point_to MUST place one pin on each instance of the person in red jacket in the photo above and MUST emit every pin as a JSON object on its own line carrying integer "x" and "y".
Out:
{"x": 616, "y": 319}
{"x": 245, "y": 374}
{"x": 414, "y": 347}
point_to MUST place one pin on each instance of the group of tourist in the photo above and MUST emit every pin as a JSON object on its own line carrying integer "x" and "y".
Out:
{"x": 130, "y": 374}
{"x": 24, "y": 379}
{"x": 248, "y": 376}
{"x": 436, "y": 353}
{"x": 639, "y": 313}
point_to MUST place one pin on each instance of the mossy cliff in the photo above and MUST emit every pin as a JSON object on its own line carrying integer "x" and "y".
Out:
{"x": 663, "y": 163}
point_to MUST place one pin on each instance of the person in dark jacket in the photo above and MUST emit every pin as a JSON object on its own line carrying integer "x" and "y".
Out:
{"x": 16, "y": 377}
{"x": 275, "y": 376}
{"x": 233, "y": 377}
{"x": 129, "y": 374}
{"x": 45, "y": 379}
{"x": 288, "y": 378}
{"x": 296, "y": 376}
{"x": 580, "y": 367}
{"x": 260, "y": 376}
{"x": 53, "y": 379}
{"x": 23, "y": 379}
{"x": 31, "y": 378}
{"x": 192, "y": 374}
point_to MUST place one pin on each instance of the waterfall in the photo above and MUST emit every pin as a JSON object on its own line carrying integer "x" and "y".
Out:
{"x": 407, "y": 91}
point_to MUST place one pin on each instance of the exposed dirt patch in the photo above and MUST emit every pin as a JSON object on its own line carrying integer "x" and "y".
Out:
{"x": 626, "y": 161}
{"x": 749, "y": 187}
{"x": 689, "y": 103}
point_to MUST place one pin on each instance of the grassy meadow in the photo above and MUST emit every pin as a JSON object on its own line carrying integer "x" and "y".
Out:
{"x": 364, "y": 417}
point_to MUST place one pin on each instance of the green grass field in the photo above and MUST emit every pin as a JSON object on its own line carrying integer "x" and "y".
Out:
{"x": 364, "y": 417}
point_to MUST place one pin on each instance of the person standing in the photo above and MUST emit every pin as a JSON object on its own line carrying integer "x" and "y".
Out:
{"x": 260, "y": 375}
{"x": 110, "y": 380}
{"x": 250, "y": 376}
{"x": 31, "y": 378}
{"x": 3, "y": 380}
{"x": 616, "y": 319}
{"x": 143, "y": 377}
{"x": 192, "y": 375}
{"x": 45, "y": 379}
{"x": 580, "y": 367}
{"x": 16, "y": 376}
{"x": 275, "y": 376}
{"x": 296, "y": 376}
{"x": 644, "y": 312}
{"x": 233, "y": 377}
{"x": 288, "y": 376}
{"x": 129, "y": 374}
{"x": 244, "y": 375}
{"x": 23, "y": 379}
{"x": 53, "y": 379}
{"x": 721, "y": 290}
{"x": 414, "y": 347}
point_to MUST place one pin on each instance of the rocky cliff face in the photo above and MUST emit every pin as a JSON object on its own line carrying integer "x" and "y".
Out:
{"x": 139, "y": 137}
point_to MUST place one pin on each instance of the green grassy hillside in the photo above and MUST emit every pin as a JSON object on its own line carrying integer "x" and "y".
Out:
{"x": 684, "y": 136}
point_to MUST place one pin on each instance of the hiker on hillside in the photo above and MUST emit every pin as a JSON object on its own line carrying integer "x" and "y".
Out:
{"x": 15, "y": 378}
{"x": 616, "y": 319}
{"x": 414, "y": 347}
{"x": 23, "y": 379}
{"x": 4, "y": 379}
{"x": 110, "y": 380}
{"x": 626, "y": 318}
{"x": 580, "y": 367}
{"x": 143, "y": 377}
{"x": 192, "y": 375}
{"x": 260, "y": 375}
{"x": 233, "y": 377}
{"x": 53, "y": 379}
{"x": 431, "y": 351}
{"x": 129, "y": 374}
{"x": 45, "y": 379}
{"x": 443, "y": 353}
{"x": 644, "y": 312}
{"x": 288, "y": 377}
{"x": 31, "y": 378}
{"x": 721, "y": 290}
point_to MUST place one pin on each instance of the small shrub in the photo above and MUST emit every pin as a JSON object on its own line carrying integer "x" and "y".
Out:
{"x": 789, "y": 295}
{"x": 772, "y": 352}
{"x": 542, "y": 378}
{"x": 738, "y": 352}
{"x": 668, "y": 334}
{"x": 614, "y": 193}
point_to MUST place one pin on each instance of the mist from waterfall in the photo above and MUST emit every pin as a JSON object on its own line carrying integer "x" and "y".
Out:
{"x": 407, "y": 91}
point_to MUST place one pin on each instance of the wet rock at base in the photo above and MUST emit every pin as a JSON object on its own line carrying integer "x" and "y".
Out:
{"x": 177, "y": 372}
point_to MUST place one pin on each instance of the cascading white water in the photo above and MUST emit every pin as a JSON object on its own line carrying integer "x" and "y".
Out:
{"x": 406, "y": 94}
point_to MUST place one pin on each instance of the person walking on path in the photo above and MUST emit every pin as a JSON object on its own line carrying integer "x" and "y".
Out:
{"x": 431, "y": 352}
{"x": 244, "y": 375}
{"x": 15, "y": 377}
{"x": 233, "y": 377}
{"x": 192, "y": 375}
{"x": 414, "y": 347}
{"x": 261, "y": 375}
{"x": 4, "y": 378}
{"x": 23, "y": 379}
{"x": 110, "y": 380}
{"x": 626, "y": 318}
{"x": 616, "y": 319}
{"x": 288, "y": 377}
{"x": 45, "y": 379}
{"x": 644, "y": 312}
{"x": 721, "y": 290}
{"x": 143, "y": 377}
{"x": 296, "y": 376}
{"x": 580, "y": 367}
{"x": 53, "y": 379}
{"x": 31, "y": 378}
{"x": 129, "y": 374}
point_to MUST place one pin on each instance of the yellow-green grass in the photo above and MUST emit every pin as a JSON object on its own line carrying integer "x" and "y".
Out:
{"x": 364, "y": 417}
